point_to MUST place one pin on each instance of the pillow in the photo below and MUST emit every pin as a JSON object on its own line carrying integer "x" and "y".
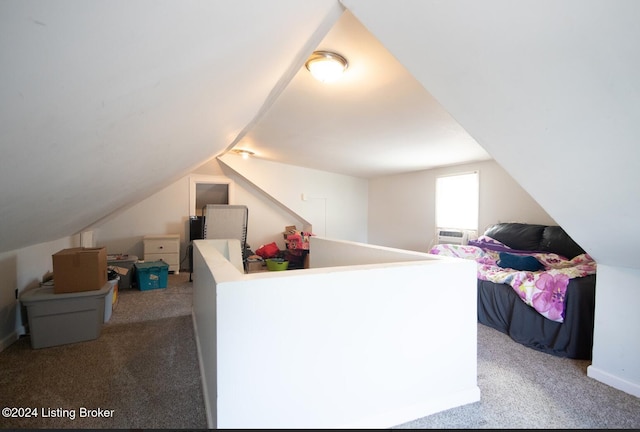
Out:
{"x": 486, "y": 240}
{"x": 556, "y": 240}
{"x": 516, "y": 235}
{"x": 268, "y": 251}
{"x": 487, "y": 243}
{"x": 519, "y": 262}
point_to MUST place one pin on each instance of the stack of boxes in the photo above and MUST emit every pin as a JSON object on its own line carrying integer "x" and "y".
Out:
{"x": 72, "y": 309}
{"x": 295, "y": 239}
{"x": 297, "y": 243}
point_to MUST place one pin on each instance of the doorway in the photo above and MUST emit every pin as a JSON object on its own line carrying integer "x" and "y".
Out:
{"x": 205, "y": 190}
{"x": 210, "y": 194}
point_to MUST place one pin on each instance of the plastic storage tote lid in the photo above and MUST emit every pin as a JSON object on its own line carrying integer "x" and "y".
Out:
{"x": 45, "y": 293}
{"x": 151, "y": 264}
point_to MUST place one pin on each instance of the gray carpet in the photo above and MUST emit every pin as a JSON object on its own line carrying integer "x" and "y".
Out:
{"x": 526, "y": 389}
{"x": 144, "y": 367}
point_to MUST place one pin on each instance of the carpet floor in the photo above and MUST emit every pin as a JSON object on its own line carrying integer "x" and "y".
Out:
{"x": 143, "y": 372}
{"x": 521, "y": 388}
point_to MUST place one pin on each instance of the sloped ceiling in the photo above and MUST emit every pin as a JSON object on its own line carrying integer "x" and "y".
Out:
{"x": 104, "y": 102}
{"x": 376, "y": 120}
{"x": 549, "y": 88}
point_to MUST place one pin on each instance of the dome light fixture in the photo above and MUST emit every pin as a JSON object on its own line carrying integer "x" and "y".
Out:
{"x": 326, "y": 66}
{"x": 244, "y": 153}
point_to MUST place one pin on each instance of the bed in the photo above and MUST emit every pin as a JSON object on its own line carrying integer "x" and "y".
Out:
{"x": 535, "y": 284}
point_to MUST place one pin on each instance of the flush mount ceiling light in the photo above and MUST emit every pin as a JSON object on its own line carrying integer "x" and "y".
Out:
{"x": 244, "y": 153}
{"x": 326, "y": 66}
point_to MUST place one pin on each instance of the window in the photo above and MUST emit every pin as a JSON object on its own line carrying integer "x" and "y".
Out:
{"x": 457, "y": 201}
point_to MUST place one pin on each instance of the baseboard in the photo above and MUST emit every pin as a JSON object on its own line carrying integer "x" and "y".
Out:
{"x": 205, "y": 390}
{"x": 7, "y": 341}
{"x": 613, "y": 381}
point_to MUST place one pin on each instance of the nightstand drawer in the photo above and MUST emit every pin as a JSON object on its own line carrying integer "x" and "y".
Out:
{"x": 160, "y": 246}
{"x": 171, "y": 259}
{"x": 165, "y": 248}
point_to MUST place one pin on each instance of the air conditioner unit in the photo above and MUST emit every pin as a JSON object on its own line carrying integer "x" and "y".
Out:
{"x": 454, "y": 236}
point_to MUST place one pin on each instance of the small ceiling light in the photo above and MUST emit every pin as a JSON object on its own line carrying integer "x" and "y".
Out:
{"x": 244, "y": 153}
{"x": 326, "y": 66}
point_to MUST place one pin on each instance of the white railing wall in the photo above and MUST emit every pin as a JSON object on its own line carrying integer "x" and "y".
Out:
{"x": 358, "y": 346}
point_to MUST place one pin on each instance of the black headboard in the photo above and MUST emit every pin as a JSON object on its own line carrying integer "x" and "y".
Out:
{"x": 544, "y": 238}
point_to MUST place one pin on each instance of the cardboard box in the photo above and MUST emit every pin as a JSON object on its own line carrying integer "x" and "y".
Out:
{"x": 289, "y": 229}
{"x": 256, "y": 266}
{"x": 79, "y": 269}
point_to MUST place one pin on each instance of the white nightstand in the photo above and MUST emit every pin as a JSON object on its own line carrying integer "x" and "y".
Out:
{"x": 163, "y": 247}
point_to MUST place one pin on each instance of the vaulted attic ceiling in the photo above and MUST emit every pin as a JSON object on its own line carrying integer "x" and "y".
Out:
{"x": 376, "y": 120}
{"x": 105, "y": 102}
{"x": 549, "y": 88}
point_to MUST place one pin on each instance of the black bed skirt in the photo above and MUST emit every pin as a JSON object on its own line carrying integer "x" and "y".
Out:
{"x": 500, "y": 307}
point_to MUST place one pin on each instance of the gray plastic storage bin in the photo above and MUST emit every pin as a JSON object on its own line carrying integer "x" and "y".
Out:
{"x": 124, "y": 262}
{"x": 108, "y": 300}
{"x": 58, "y": 319}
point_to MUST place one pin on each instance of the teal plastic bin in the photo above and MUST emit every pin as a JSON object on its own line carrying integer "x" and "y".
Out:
{"x": 152, "y": 275}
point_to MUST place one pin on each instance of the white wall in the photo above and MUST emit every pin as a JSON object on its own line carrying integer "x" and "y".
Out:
{"x": 335, "y": 205}
{"x": 616, "y": 352}
{"x": 340, "y": 347}
{"x": 24, "y": 269}
{"x": 562, "y": 102}
{"x": 167, "y": 211}
{"x": 338, "y": 253}
{"x": 400, "y": 210}
{"x": 402, "y": 207}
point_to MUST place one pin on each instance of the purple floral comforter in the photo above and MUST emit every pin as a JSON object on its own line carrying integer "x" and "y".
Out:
{"x": 543, "y": 290}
